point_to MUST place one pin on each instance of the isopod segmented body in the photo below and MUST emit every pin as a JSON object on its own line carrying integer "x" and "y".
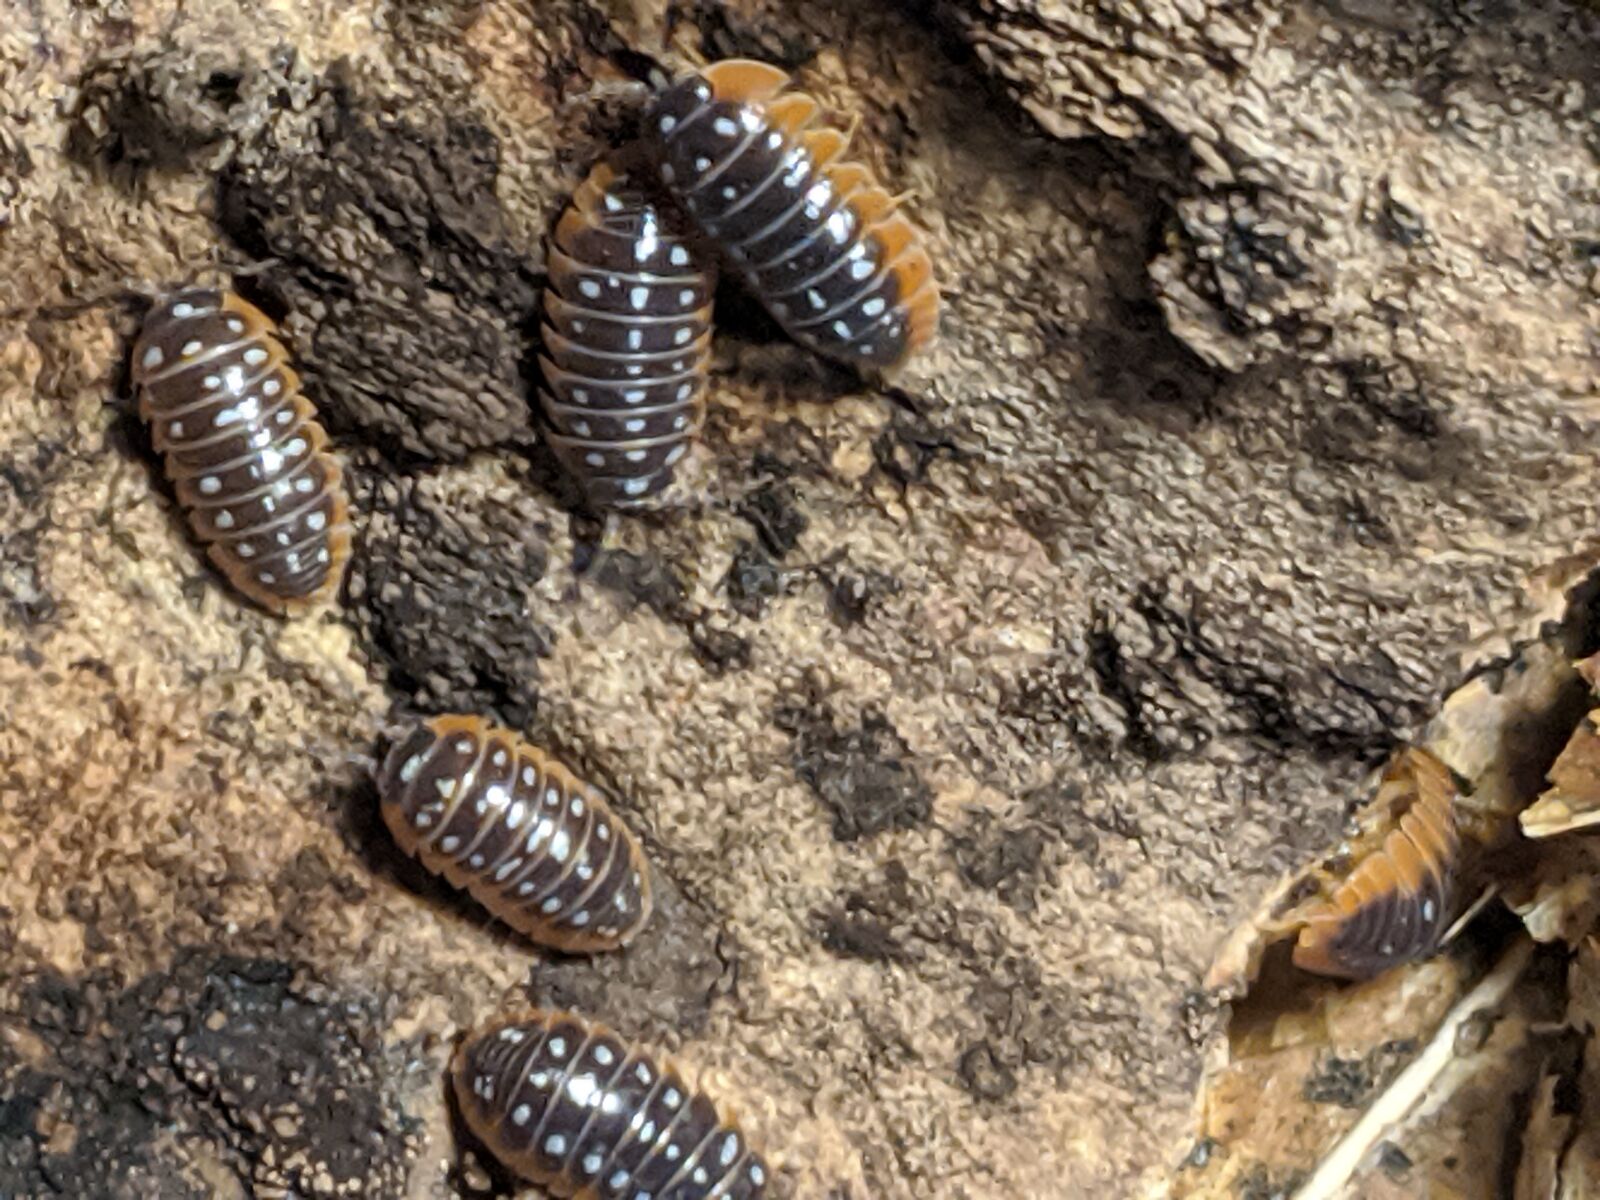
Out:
{"x": 815, "y": 238}
{"x": 1397, "y": 900}
{"x": 528, "y": 840}
{"x": 566, "y": 1103}
{"x": 243, "y": 448}
{"x": 627, "y": 321}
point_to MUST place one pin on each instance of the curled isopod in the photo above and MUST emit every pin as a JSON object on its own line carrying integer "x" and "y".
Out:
{"x": 531, "y": 842}
{"x": 243, "y": 448}
{"x": 568, "y": 1104}
{"x": 627, "y": 321}
{"x": 1395, "y": 902}
{"x": 818, "y": 242}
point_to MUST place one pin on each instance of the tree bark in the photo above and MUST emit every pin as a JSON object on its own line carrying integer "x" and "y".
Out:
{"x": 962, "y": 717}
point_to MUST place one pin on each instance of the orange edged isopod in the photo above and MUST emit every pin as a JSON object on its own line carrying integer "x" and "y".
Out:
{"x": 815, "y": 238}
{"x": 568, "y": 1104}
{"x": 528, "y": 840}
{"x": 627, "y": 332}
{"x": 243, "y": 448}
{"x": 1397, "y": 899}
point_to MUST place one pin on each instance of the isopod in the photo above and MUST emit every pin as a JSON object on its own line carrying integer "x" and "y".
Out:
{"x": 1395, "y": 903}
{"x": 627, "y": 331}
{"x": 815, "y": 238}
{"x": 568, "y": 1104}
{"x": 243, "y": 448}
{"x": 528, "y": 840}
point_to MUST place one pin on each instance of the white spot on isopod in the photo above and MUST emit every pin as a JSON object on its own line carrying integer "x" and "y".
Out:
{"x": 255, "y": 356}
{"x": 679, "y": 256}
{"x": 224, "y": 519}
{"x": 589, "y": 288}
{"x": 190, "y": 347}
{"x": 639, "y": 296}
{"x": 153, "y": 357}
{"x": 505, "y": 870}
{"x": 210, "y": 485}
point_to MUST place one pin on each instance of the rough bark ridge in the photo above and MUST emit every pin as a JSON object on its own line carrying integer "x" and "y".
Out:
{"x": 963, "y": 718}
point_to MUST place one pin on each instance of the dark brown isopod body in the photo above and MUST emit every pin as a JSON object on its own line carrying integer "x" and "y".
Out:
{"x": 816, "y": 239}
{"x": 528, "y": 840}
{"x": 627, "y": 320}
{"x": 1398, "y": 898}
{"x": 243, "y": 448}
{"x": 566, "y": 1103}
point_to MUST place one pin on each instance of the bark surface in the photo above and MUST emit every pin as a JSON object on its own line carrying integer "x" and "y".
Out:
{"x": 962, "y": 718}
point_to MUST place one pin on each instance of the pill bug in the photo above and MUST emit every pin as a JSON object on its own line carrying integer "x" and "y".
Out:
{"x": 528, "y": 840}
{"x": 1396, "y": 901}
{"x": 243, "y": 448}
{"x": 815, "y": 238}
{"x": 568, "y": 1104}
{"x": 627, "y": 333}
